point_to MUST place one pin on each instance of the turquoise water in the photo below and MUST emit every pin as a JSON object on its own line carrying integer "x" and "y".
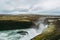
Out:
{"x": 13, "y": 35}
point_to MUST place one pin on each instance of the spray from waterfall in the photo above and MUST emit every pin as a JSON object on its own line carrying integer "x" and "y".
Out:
{"x": 41, "y": 26}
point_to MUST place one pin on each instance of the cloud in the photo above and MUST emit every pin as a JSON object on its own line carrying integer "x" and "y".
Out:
{"x": 46, "y": 5}
{"x": 13, "y": 4}
{"x": 30, "y": 6}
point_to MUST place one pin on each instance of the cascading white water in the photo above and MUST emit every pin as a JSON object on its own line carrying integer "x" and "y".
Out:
{"x": 32, "y": 32}
{"x": 41, "y": 27}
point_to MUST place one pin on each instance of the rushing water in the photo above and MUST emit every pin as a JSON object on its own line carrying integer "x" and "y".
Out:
{"x": 31, "y": 32}
{"x": 13, "y": 35}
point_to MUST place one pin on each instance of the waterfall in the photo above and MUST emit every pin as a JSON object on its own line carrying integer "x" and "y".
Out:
{"x": 32, "y": 32}
{"x": 41, "y": 26}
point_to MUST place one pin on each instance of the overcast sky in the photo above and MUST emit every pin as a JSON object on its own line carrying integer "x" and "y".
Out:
{"x": 50, "y": 7}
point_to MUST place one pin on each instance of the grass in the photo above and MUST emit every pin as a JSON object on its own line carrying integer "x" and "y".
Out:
{"x": 50, "y": 33}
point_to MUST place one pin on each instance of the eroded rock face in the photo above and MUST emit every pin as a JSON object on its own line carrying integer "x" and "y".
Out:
{"x": 10, "y": 25}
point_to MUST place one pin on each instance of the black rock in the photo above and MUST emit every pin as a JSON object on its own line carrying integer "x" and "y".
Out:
{"x": 22, "y": 32}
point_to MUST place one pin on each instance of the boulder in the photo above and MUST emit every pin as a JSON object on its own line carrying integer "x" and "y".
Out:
{"x": 22, "y": 32}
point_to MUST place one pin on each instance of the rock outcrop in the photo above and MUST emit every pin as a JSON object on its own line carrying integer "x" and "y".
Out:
{"x": 22, "y": 32}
